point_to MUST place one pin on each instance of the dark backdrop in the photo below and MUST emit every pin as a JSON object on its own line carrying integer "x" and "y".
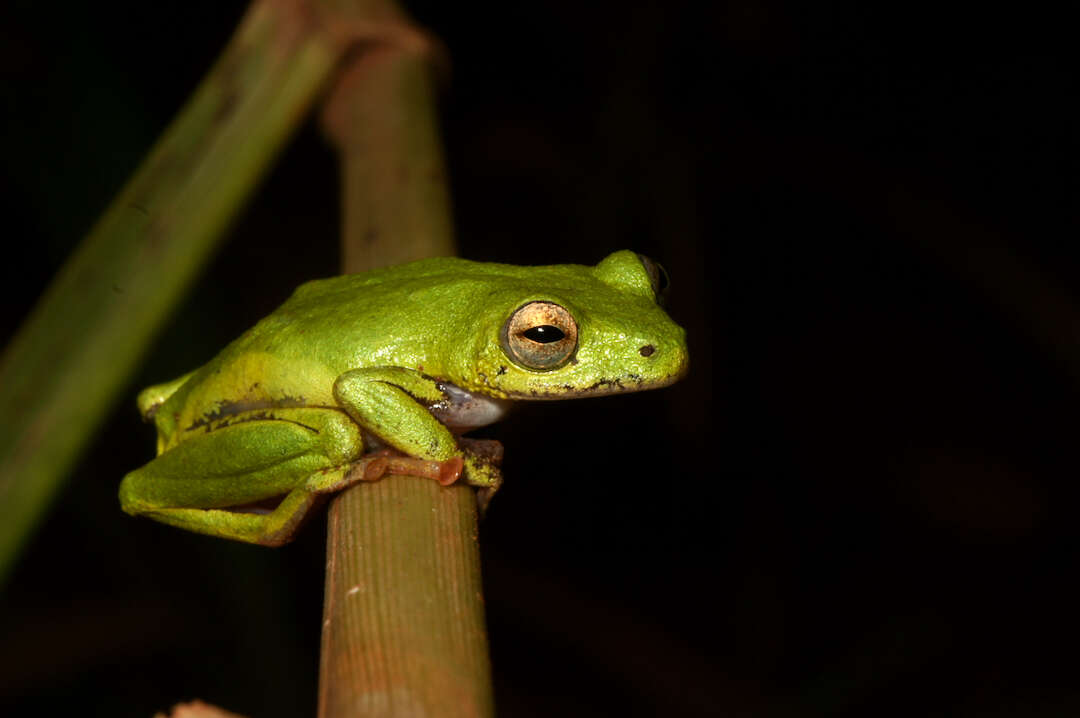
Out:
{"x": 861, "y": 500}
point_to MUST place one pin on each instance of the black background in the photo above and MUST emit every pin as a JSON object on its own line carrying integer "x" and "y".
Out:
{"x": 860, "y": 502}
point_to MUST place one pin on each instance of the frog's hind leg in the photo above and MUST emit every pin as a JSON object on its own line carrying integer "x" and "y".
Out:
{"x": 152, "y": 397}
{"x": 297, "y": 453}
{"x": 274, "y": 528}
{"x": 279, "y": 525}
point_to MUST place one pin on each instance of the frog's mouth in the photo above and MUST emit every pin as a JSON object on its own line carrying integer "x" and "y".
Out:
{"x": 649, "y": 366}
{"x": 601, "y": 387}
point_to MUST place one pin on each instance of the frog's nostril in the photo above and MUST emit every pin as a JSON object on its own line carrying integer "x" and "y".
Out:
{"x": 647, "y": 351}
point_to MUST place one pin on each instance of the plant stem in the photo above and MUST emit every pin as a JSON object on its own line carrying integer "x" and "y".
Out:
{"x": 403, "y": 629}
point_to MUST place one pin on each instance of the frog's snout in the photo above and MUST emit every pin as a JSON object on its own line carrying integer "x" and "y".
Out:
{"x": 669, "y": 360}
{"x": 662, "y": 359}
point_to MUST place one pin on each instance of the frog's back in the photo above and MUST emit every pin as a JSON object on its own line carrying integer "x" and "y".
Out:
{"x": 403, "y": 306}
{"x": 396, "y": 316}
{"x": 292, "y": 356}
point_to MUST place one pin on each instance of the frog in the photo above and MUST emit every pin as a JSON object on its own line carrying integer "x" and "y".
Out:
{"x": 383, "y": 372}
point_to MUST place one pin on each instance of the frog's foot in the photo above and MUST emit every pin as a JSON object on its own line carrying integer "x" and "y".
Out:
{"x": 388, "y": 461}
{"x": 377, "y": 464}
{"x": 479, "y": 467}
{"x": 482, "y": 460}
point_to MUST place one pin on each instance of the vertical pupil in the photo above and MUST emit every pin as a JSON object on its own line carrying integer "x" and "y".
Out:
{"x": 544, "y": 334}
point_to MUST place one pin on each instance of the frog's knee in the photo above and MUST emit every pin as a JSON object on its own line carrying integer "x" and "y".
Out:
{"x": 334, "y": 435}
{"x": 129, "y": 493}
{"x": 343, "y": 439}
{"x": 152, "y": 397}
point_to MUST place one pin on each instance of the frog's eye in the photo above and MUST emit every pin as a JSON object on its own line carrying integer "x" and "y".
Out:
{"x": 658, "y": 278}
{"x": 540, "y": 335}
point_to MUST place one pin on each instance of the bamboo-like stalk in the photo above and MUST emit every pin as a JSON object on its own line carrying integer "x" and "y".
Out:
{"x": 69, "y": 360}
{"x": 403, "y": 624}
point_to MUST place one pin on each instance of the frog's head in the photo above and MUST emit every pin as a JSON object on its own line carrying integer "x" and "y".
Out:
{"x": 567, "y": 331}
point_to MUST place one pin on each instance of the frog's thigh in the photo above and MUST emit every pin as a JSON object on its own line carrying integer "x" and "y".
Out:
{"x": 244, "y": 458}
{"x": 383, "y": 400}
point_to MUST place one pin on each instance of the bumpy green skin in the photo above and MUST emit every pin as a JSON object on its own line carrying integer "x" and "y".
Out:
{"x": 283, "y": 409}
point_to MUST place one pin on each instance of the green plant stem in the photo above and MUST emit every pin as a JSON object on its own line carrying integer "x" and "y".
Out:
{"x": 62, "y": 371}
{"x": 403, "y": 628}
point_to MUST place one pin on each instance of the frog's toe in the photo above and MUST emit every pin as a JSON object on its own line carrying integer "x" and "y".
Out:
{"x": 484, "y": 494}
{"x": 450, "y": 470}
{"x": 482, "y": 471}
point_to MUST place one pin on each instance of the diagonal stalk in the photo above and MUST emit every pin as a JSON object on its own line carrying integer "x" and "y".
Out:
{"x": 73, "y": 354}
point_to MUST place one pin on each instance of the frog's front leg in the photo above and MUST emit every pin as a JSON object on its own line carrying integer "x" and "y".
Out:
{"x": 392, "y": 403}
{"x": 298, "y": 453}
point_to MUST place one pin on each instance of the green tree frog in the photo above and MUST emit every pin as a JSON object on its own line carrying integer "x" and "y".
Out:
{"x": 362, "y": 374}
